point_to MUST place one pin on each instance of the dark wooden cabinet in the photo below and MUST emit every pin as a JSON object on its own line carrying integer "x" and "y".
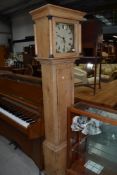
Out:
{"x": 95, "y": 152}
{"x": 3, "y": 55}
{"x": 92, "y": 37}
{"x": 28, "y": 55}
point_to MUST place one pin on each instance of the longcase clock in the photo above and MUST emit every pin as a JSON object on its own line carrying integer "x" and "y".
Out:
{"x": 58, "y": 32}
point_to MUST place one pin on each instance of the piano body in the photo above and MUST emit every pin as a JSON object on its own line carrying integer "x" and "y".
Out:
{"x": 21, "y": 113}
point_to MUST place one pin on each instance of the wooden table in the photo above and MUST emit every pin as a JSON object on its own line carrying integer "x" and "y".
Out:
{"x": 107, "y": 96}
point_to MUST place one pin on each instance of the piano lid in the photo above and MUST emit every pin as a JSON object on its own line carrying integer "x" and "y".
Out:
{"x": 21, "y": 87}
{"x": 18, "y": 77}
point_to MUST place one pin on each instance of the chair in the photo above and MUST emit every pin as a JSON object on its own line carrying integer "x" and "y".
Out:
{"x": 29, "y": 70}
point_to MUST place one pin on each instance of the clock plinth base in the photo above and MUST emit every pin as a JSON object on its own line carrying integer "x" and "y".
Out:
{"x": 55, "y": 158}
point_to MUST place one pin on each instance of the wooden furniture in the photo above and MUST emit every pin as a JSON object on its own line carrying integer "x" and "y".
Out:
{"x": 19, "y": 70}
{"x": 29, "y": 69}
{"x": 52, "y": 22}
{"x": 22, "y": 97}
{"x": 87, "y": 153}
{"x": 57, "y": 78}
{"x": 28, "y": 55}
{"x": 3, "y": 55}
{"x": 109, "y": 52}
{"x": 92, "y": 37}
{"x": 106, "y": 97}
{"x": 36, "y": 68}
{"x": 27, "y": 59}
{"x": 94, "y": 61}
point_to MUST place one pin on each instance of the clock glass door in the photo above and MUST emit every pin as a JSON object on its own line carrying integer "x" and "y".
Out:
{"x": 64, "y": 37}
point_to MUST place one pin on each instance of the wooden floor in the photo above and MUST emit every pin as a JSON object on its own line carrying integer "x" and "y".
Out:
{"x": 106, "y": 96}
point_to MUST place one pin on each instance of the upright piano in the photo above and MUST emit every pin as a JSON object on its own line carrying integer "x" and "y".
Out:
{"x": 21, "y": 113}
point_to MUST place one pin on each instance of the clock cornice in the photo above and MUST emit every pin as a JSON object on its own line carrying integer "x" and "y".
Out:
{"x": 57, "y": 11}
{"x": 46, "y": 19}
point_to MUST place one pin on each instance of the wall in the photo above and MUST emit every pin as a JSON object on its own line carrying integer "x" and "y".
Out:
{"x": 22, "y": 26}
{"x": 4, "y": 33}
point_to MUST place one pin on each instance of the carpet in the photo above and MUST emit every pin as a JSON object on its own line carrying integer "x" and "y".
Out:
{"x": 14, "y": 161}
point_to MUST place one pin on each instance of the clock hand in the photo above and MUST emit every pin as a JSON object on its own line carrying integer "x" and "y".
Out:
{"x": 61, "y": 37}
{"x": 64, "y": 40}
{"x": 64, "y": 47}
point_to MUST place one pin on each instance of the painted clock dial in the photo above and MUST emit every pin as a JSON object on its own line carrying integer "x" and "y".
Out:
{"x": 64, "y": 37}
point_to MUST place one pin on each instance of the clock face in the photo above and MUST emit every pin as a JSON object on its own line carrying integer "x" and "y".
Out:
{"x": 64, "y": 37}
